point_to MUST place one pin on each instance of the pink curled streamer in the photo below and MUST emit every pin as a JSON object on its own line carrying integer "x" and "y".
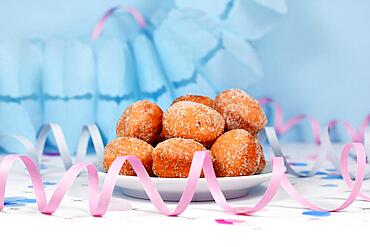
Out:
{"x": 355, "y": 186}
{"x": 365, "y": 123}
{"x": 99, "y": 202}
{"x": 100, "y": 25}
{"x": 352, "y": 132}
{"x": 282, "y": 127}
{"x": 355, "y": 135}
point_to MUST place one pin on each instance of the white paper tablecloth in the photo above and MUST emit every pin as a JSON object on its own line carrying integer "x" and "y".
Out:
{"x": 282, "y": 217}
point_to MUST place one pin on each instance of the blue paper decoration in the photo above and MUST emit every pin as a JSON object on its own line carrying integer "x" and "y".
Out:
{"x": 198, "y": 47}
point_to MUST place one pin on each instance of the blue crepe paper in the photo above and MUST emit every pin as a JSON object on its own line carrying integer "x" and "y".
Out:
{"x": 187, "y": 47}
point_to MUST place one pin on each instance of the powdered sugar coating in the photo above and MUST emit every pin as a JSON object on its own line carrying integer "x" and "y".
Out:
{"x": 240, "y": 111}
{"x": 204, "y": 100}
{"x": 128, "y": 146}
{"x": 192, "y": 120}
{"x": 142, "y": 120}
{"x": 172, "y": 158}
{"x": 236, "y": 153}
{"x": 262, "y": 164}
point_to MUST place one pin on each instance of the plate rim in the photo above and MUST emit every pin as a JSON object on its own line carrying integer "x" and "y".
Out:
{"x": 262, "y": 175}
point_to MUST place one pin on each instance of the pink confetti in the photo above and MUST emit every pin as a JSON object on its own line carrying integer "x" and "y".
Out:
{"x": 228, "y": 221}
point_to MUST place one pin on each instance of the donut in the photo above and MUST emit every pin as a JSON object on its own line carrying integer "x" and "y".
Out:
{"x": 262, "y": 164}
{"x": 142, "y": 120}
{"x": 207, "y": 101}
{"x": 123, "y": 146}
{"x": 192, "y": 120}
{"x": 172, "y": 158}
{"x": 240, "y": 111}
{"x": 235, "y": 153}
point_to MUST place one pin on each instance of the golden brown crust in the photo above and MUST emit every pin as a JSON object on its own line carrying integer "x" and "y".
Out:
{"x": 240, "y": 111}
{"x": 204, "y": 100}
{"x": 235, "y": 153}
{"x": 192, "y": 123}
{"x": 128, "y": 146}
{"x": 172, "y": 158}
{"x": 192, "y": 120}
{"x": 142, "y": 120}
{"x": 262, "y": 164}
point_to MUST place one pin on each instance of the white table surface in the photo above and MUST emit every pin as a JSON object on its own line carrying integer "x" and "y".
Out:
{"x": 20, "y": 221}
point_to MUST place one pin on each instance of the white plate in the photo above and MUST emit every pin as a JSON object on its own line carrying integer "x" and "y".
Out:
{"x": 171, "y": 188}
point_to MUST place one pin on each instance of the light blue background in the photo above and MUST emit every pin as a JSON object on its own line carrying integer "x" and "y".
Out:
{"x": 315, "y": 60}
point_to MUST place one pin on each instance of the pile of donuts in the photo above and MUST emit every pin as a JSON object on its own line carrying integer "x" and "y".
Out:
{"x": 165, "y": 142}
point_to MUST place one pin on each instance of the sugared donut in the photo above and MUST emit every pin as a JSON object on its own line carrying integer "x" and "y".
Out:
{"x": 192, "y": 120}
{"x": 235, "y": 153}
{"x": 207, "y": 101}
{"x": 123, "y": 146}
{"x": 142, "y": 120}
{"x": 262, "y": 164}
{"x": 172, "y": 158}
{"x": 240, "y": 111}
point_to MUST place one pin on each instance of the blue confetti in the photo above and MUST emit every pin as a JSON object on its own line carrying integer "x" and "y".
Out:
{"x": 298, "y": 164}
{"x": 321, "y": 173}
{"x": 331, "y": 169}
{"x": 329, "y": 185}
{"x": 17, "y": 201}
{"x": 46, "y": 183}
{"x": 28, "y": 200}
{"x": 305, "y": 172}
{"x": 332, "y": 176}
{"x": 13, "y": 204}
{"x": 316, "y": 213}
{"x": 49, "y": 183}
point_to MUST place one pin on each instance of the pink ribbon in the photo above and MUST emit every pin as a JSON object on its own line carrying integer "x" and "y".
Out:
{"x": 282, "y": 127}
{"x": 355, "y": 186}
{"x": 352, "y": 132}
{"x": 99, "y": 202}
{"x": 355, "y": 134}
{"x": 100, "y": 25}
{"x": 365, "y": 123}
